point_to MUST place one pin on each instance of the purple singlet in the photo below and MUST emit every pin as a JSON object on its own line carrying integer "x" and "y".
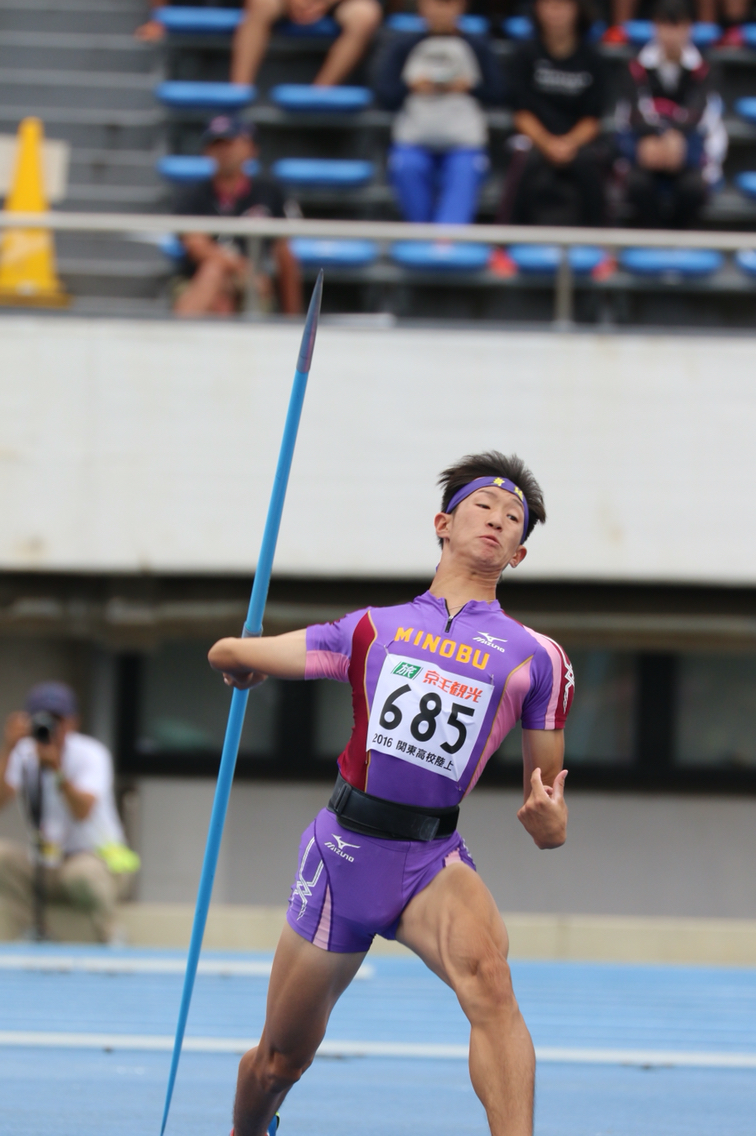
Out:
{"x": 434, "y": 696}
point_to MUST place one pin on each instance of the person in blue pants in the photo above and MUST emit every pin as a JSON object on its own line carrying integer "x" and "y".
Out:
{"x": 438, "y": 80}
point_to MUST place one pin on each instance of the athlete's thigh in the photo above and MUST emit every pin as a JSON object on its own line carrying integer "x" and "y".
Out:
{"x": 453, "y": 924}
{"x": 305, "y": 984}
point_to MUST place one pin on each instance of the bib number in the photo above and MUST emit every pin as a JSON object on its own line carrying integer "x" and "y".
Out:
{"x": 427, "y": 716}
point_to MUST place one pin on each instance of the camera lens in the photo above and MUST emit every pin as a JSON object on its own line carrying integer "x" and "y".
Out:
{"x": 43, "y": 727}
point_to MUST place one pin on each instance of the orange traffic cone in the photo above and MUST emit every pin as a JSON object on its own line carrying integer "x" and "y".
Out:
{"x": 27, "y": 256}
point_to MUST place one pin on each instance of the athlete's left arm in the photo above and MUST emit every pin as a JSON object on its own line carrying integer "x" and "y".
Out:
{"x": 544, "y": 813}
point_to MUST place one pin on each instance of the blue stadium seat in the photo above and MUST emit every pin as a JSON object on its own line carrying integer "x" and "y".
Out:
{"x": 171, "y": 247}
{"x": 199, "y": 21}
{"x": 336, "y": 100}
{"x": 182, "y": 169}
{"x": 746, "y": 260}
{"x": 347, "y": 173}
{"x": 689, "y": 263}
{"x": 746, "y": 108}
{"x": 409, "y": 22}
{"x": 518, "y": 27}
{"x": 749, "y": 35}
{"x": 746, "y": 183}
{"x": 540, "y": 259}
{"x": 182, "y": 95}
{"x": 439, "y": 255}
{"x": 641, "y": 31}
{"x": 333, "y": 254}
{"x": 327, "y": 28}
{"x": 224, "y": 21}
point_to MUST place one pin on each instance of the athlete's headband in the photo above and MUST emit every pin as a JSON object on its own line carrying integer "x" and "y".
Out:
{"x": 483, "y": 483}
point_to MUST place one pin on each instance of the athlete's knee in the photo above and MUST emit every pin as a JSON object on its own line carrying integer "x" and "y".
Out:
{"x": 484, "y": 982}
{"x": 274, "y": 1071}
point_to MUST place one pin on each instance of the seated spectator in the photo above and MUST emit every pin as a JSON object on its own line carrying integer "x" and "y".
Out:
{"x": 359, "y": 20}
{"x": 557, "y": 82}
{"x": 674, "y": 136}
{"x": 218, "y": 275}
{"x": 437, "y": 81}
{"x": 151, "y": 30}
{"x": 65, "y": 780}
{"x": 731, "y": 15}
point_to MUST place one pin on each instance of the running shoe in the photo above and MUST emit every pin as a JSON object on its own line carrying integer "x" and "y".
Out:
{"x": 272, "y": 1127}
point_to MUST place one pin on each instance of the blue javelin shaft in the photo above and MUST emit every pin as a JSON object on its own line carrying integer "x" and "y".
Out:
{"x": 252, "y": 627}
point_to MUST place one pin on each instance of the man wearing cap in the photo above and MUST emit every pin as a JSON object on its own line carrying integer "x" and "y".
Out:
{"x": 217, "y": 273}
{"x": 65, "y": 782}
{"x": 437, "y": 683}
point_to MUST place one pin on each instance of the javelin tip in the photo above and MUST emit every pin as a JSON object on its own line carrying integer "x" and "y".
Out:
{"x": 311, "y": 327}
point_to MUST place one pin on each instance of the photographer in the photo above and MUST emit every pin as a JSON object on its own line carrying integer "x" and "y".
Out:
{"x": 65, "y": 780}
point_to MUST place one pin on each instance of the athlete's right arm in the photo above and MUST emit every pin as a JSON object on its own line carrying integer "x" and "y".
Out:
{"x": 247, "y": 662}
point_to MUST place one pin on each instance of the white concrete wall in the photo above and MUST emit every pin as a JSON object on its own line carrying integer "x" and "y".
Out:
{"x": 151, "y": 446}
{"x": 625, "y": 854}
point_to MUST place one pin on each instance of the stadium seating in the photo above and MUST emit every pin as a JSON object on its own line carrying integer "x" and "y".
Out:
{"x": 435, "y": 255}
{"x": 183, "y": 95}
{"x": 641, "y": 31}
{"x": 746, "y": 183}
{"x": 333, "y": 254}
{"x": 534, "y": 259}
{"x": 300, "y": 97}
{"x": 660, "y": 262}
{"x": 332, "y": 172}
{"x": 183, "y": 169}
{"x": 746, "y": 108}
{"x": 746, "y": 260}
{"x": 410, "y": 22}
{"x": 224, "y": 21}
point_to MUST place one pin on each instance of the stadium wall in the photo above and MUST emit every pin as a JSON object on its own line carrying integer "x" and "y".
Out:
{"x": 149, "y": 446}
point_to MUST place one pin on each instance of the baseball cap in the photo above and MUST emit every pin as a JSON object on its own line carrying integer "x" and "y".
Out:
{"x": 52, "y": 697}
{"x": 225, "y": 127}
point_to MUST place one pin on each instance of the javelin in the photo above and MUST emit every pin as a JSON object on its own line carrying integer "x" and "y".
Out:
{"x": 252, "y": 627}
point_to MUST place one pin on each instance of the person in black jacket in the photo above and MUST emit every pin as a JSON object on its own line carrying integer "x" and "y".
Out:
{"x": 558, "y": 96}
{"x": 673, "y": 130}
{"x": 437, "y": 81}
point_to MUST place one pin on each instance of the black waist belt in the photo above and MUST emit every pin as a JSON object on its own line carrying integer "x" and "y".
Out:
{"x": 372, "y": 816}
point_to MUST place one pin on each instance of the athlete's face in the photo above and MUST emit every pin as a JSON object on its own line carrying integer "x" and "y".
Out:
{"x": 485, "y": 529}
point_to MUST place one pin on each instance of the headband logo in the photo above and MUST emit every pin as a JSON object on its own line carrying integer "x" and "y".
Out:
{"x": 499, "y": 481}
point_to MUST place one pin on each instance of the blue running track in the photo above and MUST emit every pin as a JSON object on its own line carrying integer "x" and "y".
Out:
{"x": 628, "y": 1050}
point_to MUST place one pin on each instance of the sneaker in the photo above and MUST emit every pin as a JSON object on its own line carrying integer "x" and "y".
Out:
{"x": 272, "y": 1127}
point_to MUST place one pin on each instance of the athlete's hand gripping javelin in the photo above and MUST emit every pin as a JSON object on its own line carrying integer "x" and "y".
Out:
{"x": 245, "y": 663}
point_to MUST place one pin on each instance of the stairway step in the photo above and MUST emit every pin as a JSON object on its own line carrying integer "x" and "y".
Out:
{"x": 78, "y": 59}
{"x": 71, "y": 21}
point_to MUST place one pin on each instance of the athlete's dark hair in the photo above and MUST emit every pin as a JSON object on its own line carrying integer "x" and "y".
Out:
{"x": 494, "y": 464}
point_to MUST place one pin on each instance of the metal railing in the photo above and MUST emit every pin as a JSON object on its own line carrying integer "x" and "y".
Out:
{"x": 612, "y": 240}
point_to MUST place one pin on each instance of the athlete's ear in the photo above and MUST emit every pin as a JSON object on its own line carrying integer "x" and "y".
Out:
{"x": 519, "y": 556}
{"x": 441, "y": 523}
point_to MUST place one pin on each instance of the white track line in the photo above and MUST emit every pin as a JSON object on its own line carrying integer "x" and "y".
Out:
{"x": 65, "y": 964}
{"x": 546, "y": 1054}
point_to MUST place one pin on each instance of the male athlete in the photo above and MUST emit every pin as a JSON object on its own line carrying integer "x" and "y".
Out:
{"x": 436, "y": 685}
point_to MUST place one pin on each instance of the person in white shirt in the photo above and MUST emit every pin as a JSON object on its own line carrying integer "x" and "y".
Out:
{"x": 65, "y": 781}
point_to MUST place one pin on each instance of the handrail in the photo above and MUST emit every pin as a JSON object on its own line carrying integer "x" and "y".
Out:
{"x": 144, "y": 223}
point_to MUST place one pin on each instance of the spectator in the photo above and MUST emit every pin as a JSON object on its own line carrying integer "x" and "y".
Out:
{"x": 558, "y": 95}
{"x": 151, "y": 31}
{"x": 437, "y": 81}
{"x": 359, "y": 20}
{"x": 66, "y": 782}
{"x": 217, "y": 274}
{"x": 674, "y": 135}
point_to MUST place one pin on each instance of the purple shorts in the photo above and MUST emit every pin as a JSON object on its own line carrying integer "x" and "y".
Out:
{"x": 350, "y": 888}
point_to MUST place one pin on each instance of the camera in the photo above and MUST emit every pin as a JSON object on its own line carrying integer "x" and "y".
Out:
{"x": 43, "y": 727}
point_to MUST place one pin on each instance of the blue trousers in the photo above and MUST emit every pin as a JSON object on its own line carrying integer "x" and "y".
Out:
{"x": 440, "y": 187}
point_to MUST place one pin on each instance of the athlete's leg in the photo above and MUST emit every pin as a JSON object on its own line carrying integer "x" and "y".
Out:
{"x": 305, "y": 984}
{"x": 455, "y": 928}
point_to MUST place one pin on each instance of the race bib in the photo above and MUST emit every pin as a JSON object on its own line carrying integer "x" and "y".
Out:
{"x": 427, "y": 716}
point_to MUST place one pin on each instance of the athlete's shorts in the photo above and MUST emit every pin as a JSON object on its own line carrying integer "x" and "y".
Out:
{"x": 350, "y": 888}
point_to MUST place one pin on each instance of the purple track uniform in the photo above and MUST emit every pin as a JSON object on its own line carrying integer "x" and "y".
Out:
{"x": 433, "y": 696}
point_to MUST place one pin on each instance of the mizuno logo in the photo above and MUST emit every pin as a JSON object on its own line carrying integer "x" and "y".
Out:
{"x": 304, "y": 888}
{"x": 490, "y": 641}
{"x": 569, "y": 683}
{"x": 339, "y": 847}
